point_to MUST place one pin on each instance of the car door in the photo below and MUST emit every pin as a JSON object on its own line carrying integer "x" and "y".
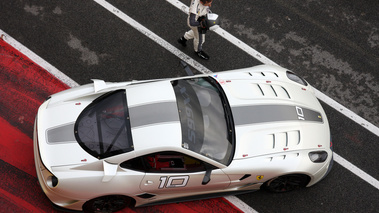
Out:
{"x": 175, "y": 173}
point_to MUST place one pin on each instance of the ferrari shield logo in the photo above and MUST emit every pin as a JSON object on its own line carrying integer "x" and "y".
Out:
{"x": 260, "y": 177}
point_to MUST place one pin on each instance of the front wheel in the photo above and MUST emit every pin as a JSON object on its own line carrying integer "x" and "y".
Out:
{"x": 286, "y": 183}
{"x": 107, "y": 204}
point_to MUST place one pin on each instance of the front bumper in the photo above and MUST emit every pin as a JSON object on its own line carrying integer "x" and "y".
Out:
{"x": 324, "y": 171}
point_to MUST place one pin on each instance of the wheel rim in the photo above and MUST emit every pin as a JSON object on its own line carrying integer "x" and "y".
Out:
{"x": 107, "y": 204}
{"x": 286, "y": 183}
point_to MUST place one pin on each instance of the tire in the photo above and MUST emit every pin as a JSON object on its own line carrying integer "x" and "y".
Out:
{"x": 286, "y": 183}
{"x": 107, "y": 204}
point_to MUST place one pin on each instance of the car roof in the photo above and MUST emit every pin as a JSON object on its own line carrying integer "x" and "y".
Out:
{"x": 154, "y": 115}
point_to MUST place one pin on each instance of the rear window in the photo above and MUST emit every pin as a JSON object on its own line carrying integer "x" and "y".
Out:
{"x": 103, "y": 128}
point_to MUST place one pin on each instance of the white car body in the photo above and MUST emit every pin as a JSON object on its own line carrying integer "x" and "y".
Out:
{"x": 277, "y": 123}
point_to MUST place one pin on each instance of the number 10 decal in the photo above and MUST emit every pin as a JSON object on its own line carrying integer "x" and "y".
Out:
{"x": 300, "y": 113}
{"x": 173, "y": 181}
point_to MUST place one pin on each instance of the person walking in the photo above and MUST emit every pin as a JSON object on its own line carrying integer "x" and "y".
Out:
{"x": 197, "y": 23}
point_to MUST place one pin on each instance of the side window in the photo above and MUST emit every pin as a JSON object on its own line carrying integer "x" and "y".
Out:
{"x": 165, "y": 162}
{"x": 134, "y": 164}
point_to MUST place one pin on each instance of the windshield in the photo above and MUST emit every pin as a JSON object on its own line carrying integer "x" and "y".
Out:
{"x": 205, "y": 118}
{"x": 103, "y": 128}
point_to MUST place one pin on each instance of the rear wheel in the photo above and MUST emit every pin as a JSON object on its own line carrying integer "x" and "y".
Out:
{"x": 107, "y": 204}
{"x": 286, "y": 183}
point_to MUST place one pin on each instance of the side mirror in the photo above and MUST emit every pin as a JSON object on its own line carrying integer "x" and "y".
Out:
{"x": 207, "y": 176}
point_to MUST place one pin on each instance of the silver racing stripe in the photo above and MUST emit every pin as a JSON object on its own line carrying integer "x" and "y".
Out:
{"x": 154, "y": 113}
{"x": 139, "y": 116}
{"x": 61, "y": 134}
{"x": 244, "y": 115}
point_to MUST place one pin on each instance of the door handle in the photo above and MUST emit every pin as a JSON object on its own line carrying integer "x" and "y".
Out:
{"x": 149, "y": 182}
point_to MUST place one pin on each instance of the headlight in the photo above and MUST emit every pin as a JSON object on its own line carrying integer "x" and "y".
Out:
{"x": 318, "y": 156}
{"x": 293, "y": 77}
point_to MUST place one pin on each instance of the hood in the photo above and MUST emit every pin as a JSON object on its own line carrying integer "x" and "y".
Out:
{"x": 273, "y": 114}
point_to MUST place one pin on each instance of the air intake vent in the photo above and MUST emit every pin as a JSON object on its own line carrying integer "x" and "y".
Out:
{"x": 283, "y": 140}
{"x": 256, "y": 90}
{"x": 146, "y": 195}
{"x": 283, "y": 157}
{"x": 264, "y": 74}
{"x": 272, "y": 90}
{"x": 245, "y": 176}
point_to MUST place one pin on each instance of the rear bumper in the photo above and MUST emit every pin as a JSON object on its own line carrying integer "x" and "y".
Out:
{"x": 43, "y": 173}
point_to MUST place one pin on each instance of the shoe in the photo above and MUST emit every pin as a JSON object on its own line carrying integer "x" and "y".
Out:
{"x": 202, "y": 55}
{"x": 182, "y": 41}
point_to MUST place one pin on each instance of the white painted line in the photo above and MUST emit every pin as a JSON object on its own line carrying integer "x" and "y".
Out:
{"x": 249, "y": 50}
{"x": 349, "y": 166}
{"x": 38, "y": 60}
{"x": 240, "y": 204}
{"x": 348, "y": 113}
{"x": 231, "y": 38}
{"x": 153, "y": 36}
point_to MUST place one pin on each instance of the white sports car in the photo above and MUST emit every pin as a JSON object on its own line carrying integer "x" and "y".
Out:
{"x": 104, "y": 146}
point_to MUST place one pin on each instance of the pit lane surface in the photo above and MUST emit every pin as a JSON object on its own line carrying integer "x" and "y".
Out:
{"x": 334, "y": 45}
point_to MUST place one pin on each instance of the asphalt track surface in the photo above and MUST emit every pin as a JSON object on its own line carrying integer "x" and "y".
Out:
{"x": 333, "y": 44}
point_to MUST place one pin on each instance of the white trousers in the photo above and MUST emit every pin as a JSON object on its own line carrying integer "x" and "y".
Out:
{"x": 194, "y": 34}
